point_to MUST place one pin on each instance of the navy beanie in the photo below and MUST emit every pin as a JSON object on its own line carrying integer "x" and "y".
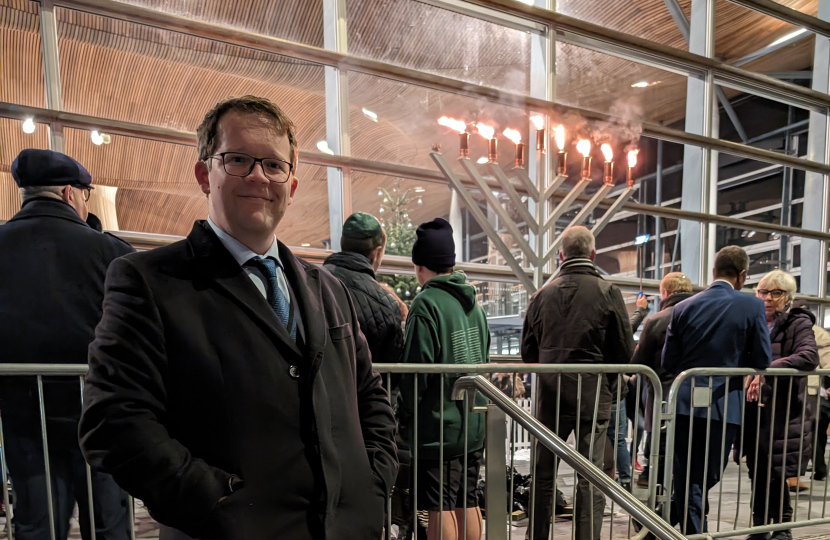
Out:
{"x": 434, "y": 246}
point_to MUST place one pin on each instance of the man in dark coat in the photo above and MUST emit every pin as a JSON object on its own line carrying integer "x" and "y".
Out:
{"x": 361, "y": 252}
{"x": 674, "y": 288}
{"x": 719, "y": 327}
{"x": 577, "y": 318}
{"x": 52, "y": 269}
{"x": 230, "y": 388}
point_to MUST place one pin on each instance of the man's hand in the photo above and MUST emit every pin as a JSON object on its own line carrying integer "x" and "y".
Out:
{"x": 642, "y": 301}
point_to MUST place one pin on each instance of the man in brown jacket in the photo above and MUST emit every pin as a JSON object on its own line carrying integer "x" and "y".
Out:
{"x": 577, "y": 318}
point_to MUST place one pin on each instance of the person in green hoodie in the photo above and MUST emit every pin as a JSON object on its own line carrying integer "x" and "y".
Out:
{"x": 445, "y": 326}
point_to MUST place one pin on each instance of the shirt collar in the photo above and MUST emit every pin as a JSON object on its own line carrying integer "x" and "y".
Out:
{"x": 723, "y": 280}
{"x": 240, "y": 251}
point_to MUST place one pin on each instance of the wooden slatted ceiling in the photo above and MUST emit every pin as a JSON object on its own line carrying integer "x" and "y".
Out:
{"x": 125, "y": 71}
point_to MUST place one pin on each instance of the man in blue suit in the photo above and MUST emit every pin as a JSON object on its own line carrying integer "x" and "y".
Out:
{"x": 719, "y": 327}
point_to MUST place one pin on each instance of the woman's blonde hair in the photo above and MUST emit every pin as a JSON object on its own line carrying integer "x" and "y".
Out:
{"x": 779, "y": 279}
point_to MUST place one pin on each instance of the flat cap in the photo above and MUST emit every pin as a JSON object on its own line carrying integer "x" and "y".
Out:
{"x": 33, "y": 167}
{"x": 361, "y": 225}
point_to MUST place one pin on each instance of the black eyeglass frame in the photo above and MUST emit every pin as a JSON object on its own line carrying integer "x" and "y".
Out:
{"x": 775, "y": 294}
{"x": 221, "y": 157}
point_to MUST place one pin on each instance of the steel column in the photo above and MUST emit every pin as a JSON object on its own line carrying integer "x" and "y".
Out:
{"x": 51, "y": 70}
{"x": 658, "y": 223}
{"x": 495, "y": 462}
{"x": 697, "y": 170}
{"x": 337, "y": 118}
{"x": 814, "y": 252}
{"x": 786, "y": 198}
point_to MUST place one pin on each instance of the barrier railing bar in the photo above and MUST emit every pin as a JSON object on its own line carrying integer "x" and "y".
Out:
{"x": 619, "y": 398}
{"x": 5, "y": 478}
{"x": 722, "y": 452}
{"x": 440, "y": 462}
{"x": 415, "y": 458}
{"x": 769, "y": 451}
{"x": 685, "y": 500}
{"x": 752, "y": 530}
{"x": 705, "y": 493}
{"x": 740, "y": 454}
{"x": 48, "y": 470}
{"x": 577, "y": 498}
{"x": 784, "y": 461}
{"x": 89, "y": 478}
{"x": 563, "y": 451}
{"x": 591, "y": 448}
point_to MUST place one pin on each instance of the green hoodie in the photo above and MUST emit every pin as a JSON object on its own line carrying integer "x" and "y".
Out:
{"x": 444, "y": 326}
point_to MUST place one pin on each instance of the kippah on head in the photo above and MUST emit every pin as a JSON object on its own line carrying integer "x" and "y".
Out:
{"x": 434, "y": 246}
{"x": 360, "y": 226}
{"x": 44, "y": 168}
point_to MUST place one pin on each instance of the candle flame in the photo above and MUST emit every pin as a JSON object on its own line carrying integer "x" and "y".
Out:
{"x": 513, "y": 135}
{"x": 456, "y": 125}
{"x": 485, "y": 131}
{"x": 560, "y": 136}
{"x": 632, "y": 158}
{"x": 538, "y": 122}
{"x": 584, "y": 147}
{"x": 607, "y": 151}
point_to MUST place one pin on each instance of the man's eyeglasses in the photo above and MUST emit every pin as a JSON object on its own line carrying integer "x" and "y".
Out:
{"x": 775, "y": 294}
{"x": 86, "y": 191}
{"x": 239, "y": 164}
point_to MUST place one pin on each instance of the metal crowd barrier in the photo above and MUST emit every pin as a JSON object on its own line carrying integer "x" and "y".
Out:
{"x": 497, "y": 523}
{"x": 499, "y": 491}
{"x": 703, "y": 381}
{"x": 39, "y": 371}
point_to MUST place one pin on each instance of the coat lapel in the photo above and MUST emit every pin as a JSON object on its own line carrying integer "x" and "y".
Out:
{"x": 215, "y": 264}
{"x": 305, "y": 282}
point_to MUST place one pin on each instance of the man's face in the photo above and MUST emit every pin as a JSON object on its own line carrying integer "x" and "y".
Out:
{"x": 250, "y": 205}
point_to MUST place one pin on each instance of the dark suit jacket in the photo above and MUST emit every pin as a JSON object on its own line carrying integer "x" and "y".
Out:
{"x": 719, "y": 327}
{"x": 52, "y": 269}
{"x": 191, "y": 381}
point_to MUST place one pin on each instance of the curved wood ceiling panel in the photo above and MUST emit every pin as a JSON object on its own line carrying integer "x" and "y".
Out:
{"x": 294, "y": 20}
{"x": 121, "y": 70}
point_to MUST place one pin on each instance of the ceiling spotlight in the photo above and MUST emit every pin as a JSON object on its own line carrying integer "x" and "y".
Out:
{"x": 29, "y": 126}
{"x": 419, "y": 189}
{"x": 372, "y": 116}
{"x": 420, "y": 200}
{"x": 774, "y": 236}
{"x": 640, "y": 84}
{"x": 96, "y": 137}
{"x": 482, "y": 160}
{"x": 381, "y": 210}
{"x": 305, "y": 245}
{"x": 323, "y": 146}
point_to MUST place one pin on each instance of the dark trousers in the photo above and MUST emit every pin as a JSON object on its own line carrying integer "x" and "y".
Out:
{"x": 24, "y": 454}
{"x": 590, "y": 502}
{"x": 712, "y": 458}
{"x": 770, "y": 503}
{"x": 822, "y": 423}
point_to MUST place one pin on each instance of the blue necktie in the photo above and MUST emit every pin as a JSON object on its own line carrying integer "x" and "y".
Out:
{"x": 279, "y": 303}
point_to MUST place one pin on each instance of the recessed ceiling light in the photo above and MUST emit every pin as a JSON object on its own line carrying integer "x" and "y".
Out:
{"x": 639, "y": 84}
{"x": 29, "y": 126}
{"x": 96, "y": 137}
{"x": 482, "y": 160}
{"x": 323, "y": 146}
{"x": 305, "y": 245}
{"x": 372, "y": 116}
{"x": 419, "y": 189}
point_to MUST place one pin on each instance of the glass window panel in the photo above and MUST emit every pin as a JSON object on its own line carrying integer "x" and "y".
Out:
{"x": 294, "y": 20}
{"x": 12, "y": 141}
{"x": 154, "y": 189}
{"x": 421, "y": 36}
{"x": 405, "y": 126}
{"x": 21, "y": 66}
{"x": 648, "y": 19}
{"x": 162, "y": 78}
{"x": 741, "y": 35}
{"x": 600, "y": 82}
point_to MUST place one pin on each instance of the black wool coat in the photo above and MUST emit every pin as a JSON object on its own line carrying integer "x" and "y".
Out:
{"x": 52, "y": 270}
{"x": 785, "y": 406}
{"x": 378, "y": 314}
{"x": 578, "y": 318}
{"x": 193, "y": 379}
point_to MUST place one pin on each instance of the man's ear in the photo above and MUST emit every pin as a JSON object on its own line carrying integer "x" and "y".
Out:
{"x": 294, "y": 183}
{"x": 67, "y": 194}
{"x": 202, "y": 173}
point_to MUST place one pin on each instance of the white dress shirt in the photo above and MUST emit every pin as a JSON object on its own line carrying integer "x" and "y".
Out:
{"x": 243, "y": 254}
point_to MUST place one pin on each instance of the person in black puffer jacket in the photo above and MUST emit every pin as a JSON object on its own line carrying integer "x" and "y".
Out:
{"x": 785, "y": 416}
{"x": 362, "y": 246}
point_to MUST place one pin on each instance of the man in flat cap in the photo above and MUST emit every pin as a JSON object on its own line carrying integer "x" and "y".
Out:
{"x": 230, "y": 388}
{"x": 445, "y": 326}
{"x": 362, "y": 245}
{"x": 52, "y": 269}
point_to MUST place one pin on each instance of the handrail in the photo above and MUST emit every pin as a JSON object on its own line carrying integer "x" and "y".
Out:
{"x": 560, "y": 448}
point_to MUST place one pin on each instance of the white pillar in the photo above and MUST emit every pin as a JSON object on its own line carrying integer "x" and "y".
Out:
{"x": 102, "y": 204}
{"x": 457, "y": 225}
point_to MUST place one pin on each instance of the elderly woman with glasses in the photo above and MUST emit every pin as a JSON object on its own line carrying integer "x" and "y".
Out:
{"x": 778, "y": 420}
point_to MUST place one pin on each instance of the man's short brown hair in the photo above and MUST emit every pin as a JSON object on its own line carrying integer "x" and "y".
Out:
{"x": 676, "y": 282}
{"x": 207, "y": 132}
{"x": 730, "y": 262}
{"x": 363, "y": 246}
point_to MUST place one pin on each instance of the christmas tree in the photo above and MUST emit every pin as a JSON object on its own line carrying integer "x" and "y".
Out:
{"x": 400, "y": 237}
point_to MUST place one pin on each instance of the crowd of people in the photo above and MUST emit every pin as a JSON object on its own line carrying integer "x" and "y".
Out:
{"x": 231, "y": 389}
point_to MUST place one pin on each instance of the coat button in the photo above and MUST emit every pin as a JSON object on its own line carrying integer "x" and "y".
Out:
{"x": 294, "y": 371}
